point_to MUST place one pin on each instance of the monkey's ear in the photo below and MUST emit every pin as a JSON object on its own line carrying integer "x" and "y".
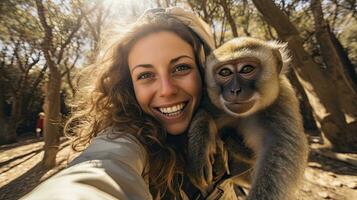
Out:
{"x": 279, "y": 60}
{"x": 281, "y": 53}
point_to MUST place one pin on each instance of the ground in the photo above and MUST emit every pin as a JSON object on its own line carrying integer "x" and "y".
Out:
{"x": 328, "y": 175}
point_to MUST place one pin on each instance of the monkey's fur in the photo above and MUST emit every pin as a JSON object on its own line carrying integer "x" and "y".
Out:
{"x": 253, "y": 107}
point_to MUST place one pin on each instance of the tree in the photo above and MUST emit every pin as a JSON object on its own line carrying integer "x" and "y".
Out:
{"x": 96, "y": 16}
{"x": 20, "y": 57}
{"x": 58, "y": 33}
{"x": 320, "y": 90}
{"x": 17, "y": 74}
{"x": 227, "y": 6}
{"x": 335, "y": 65}
{"x": 343, "y": 55}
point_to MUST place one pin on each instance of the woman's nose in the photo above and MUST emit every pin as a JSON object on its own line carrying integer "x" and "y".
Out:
{"x": 168, "y": 87}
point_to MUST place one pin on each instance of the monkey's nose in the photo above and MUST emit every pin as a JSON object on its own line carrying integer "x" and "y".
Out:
{"x": 236, "y": 91}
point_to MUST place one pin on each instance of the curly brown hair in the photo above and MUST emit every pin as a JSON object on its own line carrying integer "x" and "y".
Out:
{"x": 109, "y": 101}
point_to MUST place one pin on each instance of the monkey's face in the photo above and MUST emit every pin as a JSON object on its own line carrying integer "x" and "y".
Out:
{"x": 237, "y": 81}
{"x": 243, "y": 77}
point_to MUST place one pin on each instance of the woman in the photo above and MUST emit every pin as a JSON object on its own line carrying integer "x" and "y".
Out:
{"x": 134, "y": 118}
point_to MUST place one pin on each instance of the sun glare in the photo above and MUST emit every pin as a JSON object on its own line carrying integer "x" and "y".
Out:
{"x": 128, "y": 8}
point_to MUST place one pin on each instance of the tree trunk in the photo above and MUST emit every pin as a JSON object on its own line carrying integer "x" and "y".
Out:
{"x": 9, "y": 125}
{"x": 348, "y": 66}
{"x": 320, "y": 90}
{"x": 52, "y": 99}
{"x": 230, "y": 18}
{"x": 52, "y": 118}
{"x": 14, "y": 118}
{"x": 3, "y": 122}
{"x": 345, "y": 86}
{"x": 305, "y": 107}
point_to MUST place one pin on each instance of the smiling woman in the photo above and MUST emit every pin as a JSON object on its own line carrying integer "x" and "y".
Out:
{"x": 133, "y": 121}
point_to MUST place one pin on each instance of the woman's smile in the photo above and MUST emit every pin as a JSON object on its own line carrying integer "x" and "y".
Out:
{"x": 172, "y": 113}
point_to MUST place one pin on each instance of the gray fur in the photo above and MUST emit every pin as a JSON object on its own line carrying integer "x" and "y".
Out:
{"x": 266, "y": 148}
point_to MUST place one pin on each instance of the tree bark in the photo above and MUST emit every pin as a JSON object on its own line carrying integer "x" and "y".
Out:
{"x": 320, "y": 90}
{"x": 345, "y": 86}
{"x": 14, "y": 119}
{"x": 52, "y": 118}
{"x": 305, "y": 107}
{"x": 4, "y": 139}
{"x": 8, "y": 126}
{"x": 348, "y": 66}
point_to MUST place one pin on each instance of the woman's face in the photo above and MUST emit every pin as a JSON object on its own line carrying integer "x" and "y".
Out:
{"x": 166, "y": 80}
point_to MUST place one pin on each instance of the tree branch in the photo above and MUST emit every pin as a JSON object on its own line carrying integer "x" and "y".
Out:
{"x": 48, "y": 39}
{"x": 69, "y": 38}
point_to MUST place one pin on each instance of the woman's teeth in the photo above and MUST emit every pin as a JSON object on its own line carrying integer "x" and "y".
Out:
{"x": 173, "y": 109}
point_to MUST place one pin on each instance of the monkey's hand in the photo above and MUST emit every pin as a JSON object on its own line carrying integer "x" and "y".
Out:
{"x": 202, "y": 135}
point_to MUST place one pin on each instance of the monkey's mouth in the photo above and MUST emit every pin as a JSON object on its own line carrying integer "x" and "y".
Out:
{"x": 172, "y": 111}
{"x": 239, "y": 107}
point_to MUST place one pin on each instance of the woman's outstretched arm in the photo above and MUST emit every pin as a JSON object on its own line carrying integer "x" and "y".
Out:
{"x": 107, "y": 169}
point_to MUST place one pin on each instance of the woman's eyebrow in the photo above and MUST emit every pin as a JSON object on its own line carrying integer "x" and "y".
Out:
{"x": 174, "y": 60}
{"x": 141, "y": 65}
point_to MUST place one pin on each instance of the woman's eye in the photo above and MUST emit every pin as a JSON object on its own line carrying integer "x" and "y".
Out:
{"x": 225, "y": 72}
{"x": 247, "y": 69}
{"x": 181, "y": 67}
{"x": 145, "y": 75}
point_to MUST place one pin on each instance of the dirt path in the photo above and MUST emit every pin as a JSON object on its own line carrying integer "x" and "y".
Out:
{"x": 20, "y": 172}
{"x": 20, "y": 167}
{"x": 327, "y": 178}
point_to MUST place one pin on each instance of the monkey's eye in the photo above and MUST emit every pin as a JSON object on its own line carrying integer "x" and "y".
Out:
{"x": 246, "y": 69}
{"x": 225, "y": 72}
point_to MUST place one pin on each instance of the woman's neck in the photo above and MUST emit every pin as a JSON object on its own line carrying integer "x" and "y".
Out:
{"x": 177, "y": 141}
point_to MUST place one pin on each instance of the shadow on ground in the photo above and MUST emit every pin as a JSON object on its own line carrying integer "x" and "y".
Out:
{"x": 33, "y": 176}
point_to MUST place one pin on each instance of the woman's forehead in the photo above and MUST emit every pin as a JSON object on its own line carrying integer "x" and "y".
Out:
{"x": 158, "y": 47}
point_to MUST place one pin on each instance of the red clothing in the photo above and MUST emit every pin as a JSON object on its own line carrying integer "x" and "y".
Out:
{"x": 40, "y": 122}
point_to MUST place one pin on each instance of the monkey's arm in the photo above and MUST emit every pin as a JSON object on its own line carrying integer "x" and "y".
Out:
{"x": 281, "y": 159}
{"x": 201, "y": 149}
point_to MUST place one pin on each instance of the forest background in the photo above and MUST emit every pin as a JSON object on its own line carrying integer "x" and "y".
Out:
{"x": 45, "y": 44}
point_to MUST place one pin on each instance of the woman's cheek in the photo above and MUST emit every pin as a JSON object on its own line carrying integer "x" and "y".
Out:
{"x": 143, "y": 96}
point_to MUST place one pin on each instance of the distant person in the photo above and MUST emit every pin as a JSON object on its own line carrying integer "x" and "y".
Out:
{"x": 40, "y": 124}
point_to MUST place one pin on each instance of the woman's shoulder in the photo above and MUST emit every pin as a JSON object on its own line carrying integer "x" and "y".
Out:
{"x": 111, "y": 144}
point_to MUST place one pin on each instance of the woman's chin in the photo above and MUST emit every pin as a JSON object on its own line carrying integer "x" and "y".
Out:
{"x": 177, "y": 129}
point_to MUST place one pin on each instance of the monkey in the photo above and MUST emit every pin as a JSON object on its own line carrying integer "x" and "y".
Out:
{"x": 250, "y": 107}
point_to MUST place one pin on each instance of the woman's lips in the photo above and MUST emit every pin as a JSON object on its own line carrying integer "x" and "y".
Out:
{"x": 172, "y": 113}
